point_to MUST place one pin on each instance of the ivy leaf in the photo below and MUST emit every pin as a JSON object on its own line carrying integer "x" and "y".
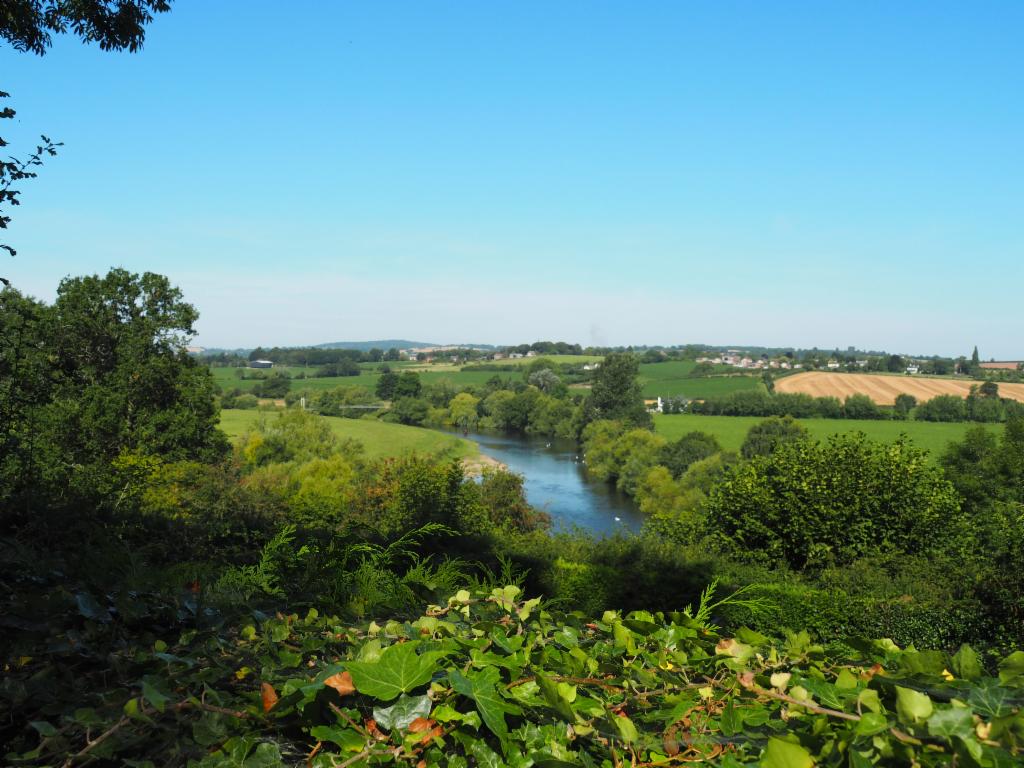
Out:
{"x": 1011, "y": 669}
{"x": 912, "y": 706}
{"x": 44, "y": 728}
{"x": 966, "y": 664}
{"x": 484, "y": 755}
{"x": 947, "y": 723}
{"x": 345, "y": 738}
{"x": 209, "y": 729}
{"x": 626, "y": 728}
{"x": 554, "y": 698}
{"x": 480, "y": 687}
{"x": 399, "y": 670}
{"x": 990, "y": 700}
{"x": 402, "y": 713}
{"x": 785, "y": 754}
{"x": 154, "y": 696}
{"x": 871, "y": 723}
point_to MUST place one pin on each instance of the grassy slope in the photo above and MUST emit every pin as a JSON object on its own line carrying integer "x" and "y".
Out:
{"x": 379, "y": 438}
{"x": 731, "y": 430}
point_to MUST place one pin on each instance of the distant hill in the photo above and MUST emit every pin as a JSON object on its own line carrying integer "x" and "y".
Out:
{"x": 366, "y": 346}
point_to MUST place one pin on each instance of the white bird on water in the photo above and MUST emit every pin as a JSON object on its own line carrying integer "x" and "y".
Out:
{"x": 548, "y": 445}
{"x": 618, "y": 519}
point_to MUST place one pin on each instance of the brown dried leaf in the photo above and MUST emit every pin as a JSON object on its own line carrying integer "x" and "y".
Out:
{"x": 421, "y": 724}
{"x": 341, "y": 682}
{"x": 269, "y": 696}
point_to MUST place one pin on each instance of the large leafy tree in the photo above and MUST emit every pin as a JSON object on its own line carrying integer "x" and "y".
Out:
{"x": 104, "y": 372}
{"x": 615, "y": 394}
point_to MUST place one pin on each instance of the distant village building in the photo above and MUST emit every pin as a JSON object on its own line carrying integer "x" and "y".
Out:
{"x": 832, "y": 365}
{"x": 195, "y": 350}
{"x": 261, "y": 364}
{"x": 499, "y": 356}
{"x": 531, "y": 353}
{"x": 912, "y": 369}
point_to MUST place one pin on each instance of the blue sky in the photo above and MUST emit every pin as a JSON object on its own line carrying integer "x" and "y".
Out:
{"x": 807, "y": 174}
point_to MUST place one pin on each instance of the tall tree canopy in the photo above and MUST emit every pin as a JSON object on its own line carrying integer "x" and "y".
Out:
{"x": 100, "y": 373}
{"x": 615, "y": 394}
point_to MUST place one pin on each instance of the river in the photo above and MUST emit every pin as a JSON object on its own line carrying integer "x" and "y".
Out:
{"x": 556, "y": 481}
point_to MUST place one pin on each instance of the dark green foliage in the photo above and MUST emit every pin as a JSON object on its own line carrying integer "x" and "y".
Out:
{"x": 862, "y": 407}
{"x": 942, "y": 408}
{"x": 349, "y": 402}
{"x": 615, "y": 393}
{"x": 344, "y": 367}
{"x": 904, "y": 405}
{"x": 742, "y": 403}
{"x": 989, "y": 389}
{"x": 989, "y": 474}
{"x": 691, "y": 447}
{"x": 409, "y": 410}
{"x": 809, "y": 504}
{"x": 106, "y": 373}
{"x": 387, "y": 384}
{"x": 765, "y": 437}
{"x": 276, "y": 385}
{"x": 408, "y": 385}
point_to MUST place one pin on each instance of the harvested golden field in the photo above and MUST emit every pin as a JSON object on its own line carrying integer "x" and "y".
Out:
{"x": 881, "y": 388}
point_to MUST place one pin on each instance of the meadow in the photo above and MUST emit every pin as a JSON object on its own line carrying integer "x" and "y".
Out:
{"x": 429, "y": 374}
{"x": 731, "y": 430}
{"x": 672, "y": 378}
{"x": 558, "y": 359}
{"x": 380, "y": 438}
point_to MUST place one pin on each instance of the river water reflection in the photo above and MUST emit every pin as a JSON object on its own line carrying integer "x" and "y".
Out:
{"x": 556, "y": 481}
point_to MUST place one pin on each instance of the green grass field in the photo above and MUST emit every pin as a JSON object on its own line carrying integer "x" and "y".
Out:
{"x": 380, "y": 438}
{"x": 559, "y": 359}
{"x": 732, "y": 430}
{"x": 228, "y": 379}
{"x": 671, "y": 378}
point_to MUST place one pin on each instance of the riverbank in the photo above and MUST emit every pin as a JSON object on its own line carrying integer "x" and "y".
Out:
{"x": 474, "y": 466}
{"x": 555, "y": 480}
